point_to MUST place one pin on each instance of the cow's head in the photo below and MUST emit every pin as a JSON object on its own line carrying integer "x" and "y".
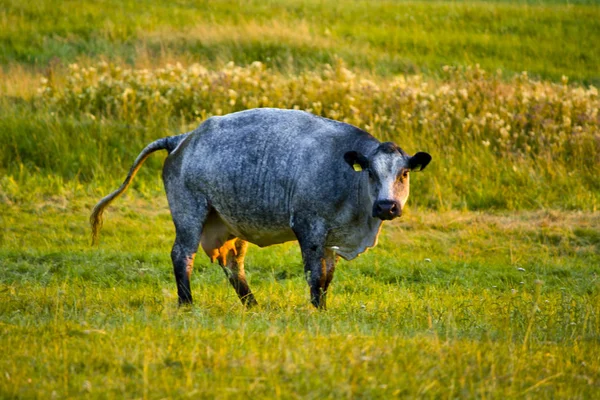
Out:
{"x": 388, "y": 168}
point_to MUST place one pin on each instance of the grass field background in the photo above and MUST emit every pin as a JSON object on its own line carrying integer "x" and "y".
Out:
{"x": 487, "y": 287}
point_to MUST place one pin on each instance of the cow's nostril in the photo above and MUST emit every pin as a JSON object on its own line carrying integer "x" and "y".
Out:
{"x": 387, "y": 209}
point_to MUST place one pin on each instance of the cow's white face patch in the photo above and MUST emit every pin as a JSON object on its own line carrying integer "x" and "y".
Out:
{"x": 389, "y": 175}
{"x": 389, "y": 181}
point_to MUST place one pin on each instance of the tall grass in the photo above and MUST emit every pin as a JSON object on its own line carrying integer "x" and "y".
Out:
{"x": 500, "y": 140}
{"x": 497, "y": 144}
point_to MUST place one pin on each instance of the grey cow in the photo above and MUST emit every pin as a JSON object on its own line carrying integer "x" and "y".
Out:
{"x": 269, "y": 176}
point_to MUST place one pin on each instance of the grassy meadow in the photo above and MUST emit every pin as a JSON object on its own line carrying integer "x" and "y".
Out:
{"x": 488, "y": 287}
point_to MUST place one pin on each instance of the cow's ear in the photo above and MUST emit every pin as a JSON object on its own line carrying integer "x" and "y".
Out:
{"x": 356, "y": 160}
{"x": 419, "y": 161}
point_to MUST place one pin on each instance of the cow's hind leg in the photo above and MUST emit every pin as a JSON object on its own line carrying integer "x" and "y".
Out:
{"x": 189, "y": 214}
{"x": 233, "y": 266}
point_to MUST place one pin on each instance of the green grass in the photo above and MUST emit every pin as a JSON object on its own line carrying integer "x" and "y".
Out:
{"x": 488, "y": 287}
{"x": 104, "y": 322}
{"x": 548, "y": 39}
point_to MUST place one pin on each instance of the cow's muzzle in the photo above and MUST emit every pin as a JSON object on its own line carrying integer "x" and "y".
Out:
{"x": 386, "y": 209}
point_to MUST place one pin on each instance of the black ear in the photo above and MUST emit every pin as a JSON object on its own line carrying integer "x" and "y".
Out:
{"x": 419, "y": 161}
{"x": 356, "y": 160}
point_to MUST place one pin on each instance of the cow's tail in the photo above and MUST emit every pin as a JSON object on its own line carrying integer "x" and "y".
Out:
{"x": 166, "y": 143}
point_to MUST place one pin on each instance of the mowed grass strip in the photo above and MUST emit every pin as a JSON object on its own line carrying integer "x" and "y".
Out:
{"x": 468, "y": 303}
{"x": 548, "y": 39}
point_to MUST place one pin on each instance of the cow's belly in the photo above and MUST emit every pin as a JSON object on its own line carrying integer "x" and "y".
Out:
{"x": 219, "y": 231}
{"x": 267, "y": 238}
{"x": 260, "y": 231}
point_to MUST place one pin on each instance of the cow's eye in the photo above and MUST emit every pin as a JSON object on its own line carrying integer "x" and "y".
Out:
{"x": 403, "y": 175}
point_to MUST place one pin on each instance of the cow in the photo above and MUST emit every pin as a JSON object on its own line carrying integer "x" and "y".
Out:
{"x": 268, "y": 176}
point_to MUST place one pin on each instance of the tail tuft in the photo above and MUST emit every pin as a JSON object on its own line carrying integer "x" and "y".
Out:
{"x": 96, "y": 222}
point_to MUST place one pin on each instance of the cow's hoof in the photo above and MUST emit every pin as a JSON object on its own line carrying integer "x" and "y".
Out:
{"x": 185, "y": 302}
{"x": 249, "y": 301}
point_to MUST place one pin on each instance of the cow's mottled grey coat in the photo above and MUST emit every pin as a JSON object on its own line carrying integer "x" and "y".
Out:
{"x": 268, "y": 176}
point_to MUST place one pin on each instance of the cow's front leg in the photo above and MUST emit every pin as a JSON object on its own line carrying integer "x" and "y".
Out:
{"x": 329, "y": 260}
{"x": 311, "y": 235}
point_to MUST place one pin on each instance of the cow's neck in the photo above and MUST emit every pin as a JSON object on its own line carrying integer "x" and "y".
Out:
{"x": 370, "y": 226}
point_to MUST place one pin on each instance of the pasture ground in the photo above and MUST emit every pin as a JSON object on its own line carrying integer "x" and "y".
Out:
{"x": 452, "y": 304}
